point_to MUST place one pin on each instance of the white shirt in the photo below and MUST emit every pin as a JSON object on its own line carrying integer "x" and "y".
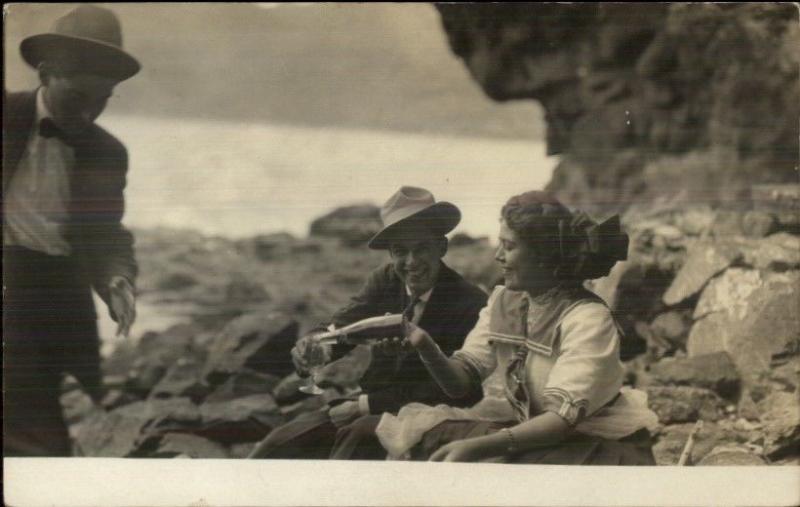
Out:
{"x": 35, "y": 204}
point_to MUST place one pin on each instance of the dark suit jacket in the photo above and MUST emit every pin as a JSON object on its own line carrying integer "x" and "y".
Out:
{"x": 99, "y": 242}
{"x": 450, "y": 314}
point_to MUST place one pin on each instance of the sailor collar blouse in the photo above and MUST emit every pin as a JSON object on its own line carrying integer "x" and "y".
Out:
{"x": 558, "y": 353}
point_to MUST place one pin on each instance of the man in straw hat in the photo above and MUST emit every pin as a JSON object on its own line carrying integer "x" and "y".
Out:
{"x": 63, "y": 181}
{"x": 416, "y": 282}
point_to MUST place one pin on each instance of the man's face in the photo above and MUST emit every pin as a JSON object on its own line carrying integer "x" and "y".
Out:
{"x": 416, "y": 255}
{"x": 523, "y": 270}
{"x": 76, "y": 101}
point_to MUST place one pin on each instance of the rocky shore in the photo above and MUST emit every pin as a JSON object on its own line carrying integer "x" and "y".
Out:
{"x": 707, "y": 298}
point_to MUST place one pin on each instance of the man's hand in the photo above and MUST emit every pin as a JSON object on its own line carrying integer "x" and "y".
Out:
{"x": 122, "y": 304}
{"x": 343, "y": 413}
{"x": 307, "y": 352}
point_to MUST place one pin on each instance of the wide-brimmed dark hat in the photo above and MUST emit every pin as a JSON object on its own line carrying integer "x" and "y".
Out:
{"x": 414, "y": 205}
{"x": 90, "y": 34}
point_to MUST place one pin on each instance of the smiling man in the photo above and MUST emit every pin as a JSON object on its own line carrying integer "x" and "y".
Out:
{"x": 416, "y": 282}
{"x": 63, "y": 181}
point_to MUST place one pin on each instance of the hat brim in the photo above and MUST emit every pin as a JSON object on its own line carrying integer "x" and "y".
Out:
{"x": 103, "y": 59}
{"x": 441, "y": 218}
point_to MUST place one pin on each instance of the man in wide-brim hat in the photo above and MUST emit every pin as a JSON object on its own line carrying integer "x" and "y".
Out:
{"x": 63, "y": 182}
{"x": 417, "y": 283}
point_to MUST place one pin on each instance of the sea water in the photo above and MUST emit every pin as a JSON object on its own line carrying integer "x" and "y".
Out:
{"x": 242, "y": 179}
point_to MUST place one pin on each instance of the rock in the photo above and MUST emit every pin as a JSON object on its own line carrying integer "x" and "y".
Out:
{"x": 672, "y": 439}
{"x": 657, "y": 81}
{"x": 116, "y": 398}
{"x": 258, "y": 341}
{"x": 288, "y": 390}
{"x": 156, "y": 353}
{"x": 242, "y": 450}
{"x": 748, "y": 314}
{"x": 183, "y": 379}
{"x": 704, "y": 260}
{"x": 672, "y": 327}
{"x": 783, "y": 201}
{"x": 177, "y": 279}
{"x": 353, "y": 225}
{"x": 678, "y": 404}
{"x": 245, "y": 419}
{"x": 713, "y": 371}
{"x": 173, "y": 445}
{"x": 778, "y": 252}
{"x": 758, "y": 224}
{"x": 268, "y": 247}
{"x": 244, "y": 383}
{"x": 732, "y": 456}
{"x": 780, "y": 415}
{"x": 119, "y": 433}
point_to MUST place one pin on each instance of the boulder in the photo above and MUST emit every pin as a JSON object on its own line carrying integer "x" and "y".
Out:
{"x": 120, "y": 432}
{"x": 244, "y": 383}
{"x": 780, "y": 416}
{"x": 758, "y": 224}
{"x": 783, "y": 201}
{"x": 727, "y": 455}
{"x": 778, "y": 252}
{"x": 670, "y": 440}
{"x": 672, "y": 327}
{"x": 172, "y": 445}
{"x": 353, "y": 225}
{"x": 242, "y": 450}
{"x": 288, "y": 390}
{"x": 245, "y": 419}
{"x": 257, "y": 341}
{"x": 116, "y": 398}
{"x": 749, "y": 314}
{"x": 183, "y": 379}
{"x": 679, "y": 404}
{"x": 713, "y": 371}
{"x": 704, "y": 260}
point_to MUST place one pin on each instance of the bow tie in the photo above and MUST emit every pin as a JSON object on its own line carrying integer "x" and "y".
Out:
{"x": 48, "y": 129}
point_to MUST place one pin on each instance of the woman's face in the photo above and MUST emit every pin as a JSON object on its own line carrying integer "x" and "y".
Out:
{"x": 522, "y": 268}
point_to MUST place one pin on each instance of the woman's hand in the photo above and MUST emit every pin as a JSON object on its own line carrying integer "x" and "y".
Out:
{"x": 461, "y": 450}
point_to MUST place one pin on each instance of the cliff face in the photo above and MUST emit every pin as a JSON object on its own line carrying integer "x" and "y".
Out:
{"x": 630, "y": 89}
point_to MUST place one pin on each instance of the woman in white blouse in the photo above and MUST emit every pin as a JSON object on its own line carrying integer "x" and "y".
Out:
{"x": 556, "y": 345}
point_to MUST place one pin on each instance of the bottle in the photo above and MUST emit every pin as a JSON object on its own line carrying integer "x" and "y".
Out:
{"x": 365, "y": 331}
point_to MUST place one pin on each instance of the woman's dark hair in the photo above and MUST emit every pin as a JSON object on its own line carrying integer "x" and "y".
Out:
{"x": 574, "y": 246}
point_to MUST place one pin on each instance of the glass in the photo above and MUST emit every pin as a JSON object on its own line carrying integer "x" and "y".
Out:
{"x": 316, "y": 362}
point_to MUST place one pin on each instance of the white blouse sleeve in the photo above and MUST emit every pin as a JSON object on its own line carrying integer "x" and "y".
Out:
{"x": 588, "y": 372}
{"x": 477, "y": 353}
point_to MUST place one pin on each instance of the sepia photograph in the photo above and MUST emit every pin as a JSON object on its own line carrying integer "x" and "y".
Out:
{"x": 401, "y": 254}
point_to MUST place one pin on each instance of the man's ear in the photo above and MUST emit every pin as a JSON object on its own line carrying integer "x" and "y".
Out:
{"x": 443, "y": 244}
{"x": 45, "y": 71}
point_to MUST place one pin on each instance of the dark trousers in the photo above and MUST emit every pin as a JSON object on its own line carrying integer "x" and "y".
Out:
{"x": 313, "y": 436}
{"x": 49, "y": 328}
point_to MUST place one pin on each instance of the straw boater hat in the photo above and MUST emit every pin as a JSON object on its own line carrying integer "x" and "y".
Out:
{"x": 90, "y": 34}
{"x": 413, "y": 205}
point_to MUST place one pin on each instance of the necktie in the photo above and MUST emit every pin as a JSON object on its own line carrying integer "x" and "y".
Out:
{"x": 516, "y": 389}
{"x": 408, "y": 313}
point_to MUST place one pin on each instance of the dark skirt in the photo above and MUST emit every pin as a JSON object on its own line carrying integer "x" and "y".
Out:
{"x": 576, "y": 449}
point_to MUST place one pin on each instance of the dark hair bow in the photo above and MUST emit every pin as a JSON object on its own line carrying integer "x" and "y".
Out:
{"x": 595, "y": 247}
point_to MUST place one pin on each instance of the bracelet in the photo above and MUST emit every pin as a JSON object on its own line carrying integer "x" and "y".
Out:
{"x": 512, "y": 442}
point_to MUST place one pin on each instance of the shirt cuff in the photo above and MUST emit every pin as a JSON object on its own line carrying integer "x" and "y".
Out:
{"x": 363, "y": 404}
{"x": 561, "y": 402}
